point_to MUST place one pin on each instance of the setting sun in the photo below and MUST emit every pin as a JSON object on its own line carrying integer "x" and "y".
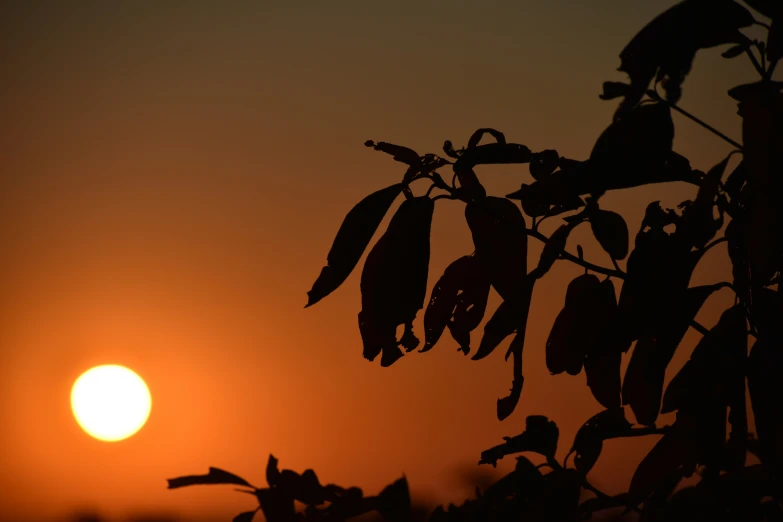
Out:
{"x": 110, "y": 402}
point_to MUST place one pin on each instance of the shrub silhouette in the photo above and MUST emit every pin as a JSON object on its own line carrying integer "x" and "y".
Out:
{"x": 654, "y": 309}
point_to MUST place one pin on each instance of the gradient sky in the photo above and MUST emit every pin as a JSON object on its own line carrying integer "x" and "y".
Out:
{"x": 172, "y": 176}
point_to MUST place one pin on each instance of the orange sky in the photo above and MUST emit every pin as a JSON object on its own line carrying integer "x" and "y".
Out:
{"x": 171, "y": 179}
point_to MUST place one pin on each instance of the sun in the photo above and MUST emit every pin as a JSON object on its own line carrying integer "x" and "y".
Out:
{"x": 110, "y": 402}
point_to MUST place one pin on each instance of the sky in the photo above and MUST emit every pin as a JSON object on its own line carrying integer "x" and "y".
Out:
{"x": 172, "y": 175}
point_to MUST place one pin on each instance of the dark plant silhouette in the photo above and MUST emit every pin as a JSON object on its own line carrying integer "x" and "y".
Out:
{"x": 655, "y": 307}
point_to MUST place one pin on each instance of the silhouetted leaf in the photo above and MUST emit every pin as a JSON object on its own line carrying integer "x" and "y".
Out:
{"x": 643, "y": 384}
{"x": 697, "y": 224}
{"x": 658, "y": 269}
{"x": 716, "y": 361}
{"x": 602, "y": 358}
{"x": 394, "y": 502}
{"x": 674, "y": 451}
{"x": 215, "y": 476}
{"x": 475, "y": 138}
{"x": 499, "y": 235}
{"x": 247, "y": 516}
{"x": 610, "y": 230}
{"x": 352, "y": 239}
{"x": 588, "y": 442}
{"x": 540, "y": 436}
{"x": 509, "y": 317}
{"x": 633, "y": 146}
{"x": 463, "y": 290}
{"x": 552, "y": 250}
{"x": 573, "y": 329}
{"x": 394, "y": 279}
{"x": 543, "y": 163}
{"x": 612, "y": 90}
{"x": 668, "y": 44}
{"x": 736, "y": 50}
{"x": 272, "y": 472}
{"x": 402, "y": 154}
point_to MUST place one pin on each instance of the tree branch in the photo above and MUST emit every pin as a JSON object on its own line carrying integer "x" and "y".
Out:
{"x": 654, "y": 95}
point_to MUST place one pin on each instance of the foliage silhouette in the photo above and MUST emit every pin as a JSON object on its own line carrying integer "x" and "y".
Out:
{"x": 655, "y": 307}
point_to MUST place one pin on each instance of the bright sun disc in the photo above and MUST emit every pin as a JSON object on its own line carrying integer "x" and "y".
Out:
{"x": 110, "y": 402}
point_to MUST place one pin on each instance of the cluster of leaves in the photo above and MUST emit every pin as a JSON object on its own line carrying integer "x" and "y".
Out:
{"x": 655, "y": 307}
{"x": 328, "y": 502}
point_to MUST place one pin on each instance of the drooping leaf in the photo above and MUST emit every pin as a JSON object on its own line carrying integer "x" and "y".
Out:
{"x": 509, "y": 317}
{"x": 602, "y": 358}
{"x": 735, "y": 181}
{"x": 351, "y": 241}
{"x": 540, "y": 436}
{"x": 667, "y": 45}
{"x": 394, "y": 279}
{"x": 475, "y": 138}
{"x": 470, "y": 308}
{"x": 658, "y": 268}
{"x": 714, "y": 364}
{"x": 573, "y": 330}
{"x": 458, "y": 275}
{"x": 500, "y": 238}
{"x": 643, "y": 385}
{"x": 610, "y": 230}
{"x": 215, "y": 476}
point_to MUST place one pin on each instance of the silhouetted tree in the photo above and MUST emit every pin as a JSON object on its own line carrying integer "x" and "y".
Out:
{"x": 655, "y": 306}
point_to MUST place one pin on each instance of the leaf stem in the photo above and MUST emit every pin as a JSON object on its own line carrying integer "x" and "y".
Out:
{"x": 690, "y": 116}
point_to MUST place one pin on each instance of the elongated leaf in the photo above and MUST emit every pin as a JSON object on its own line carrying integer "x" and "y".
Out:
{"x": 509, "y": 317}
{"x": 602, "y": 358}
{"x": 444, "y": 297}
{"x": 552, "y": 249}
{"x": 402, "y": 154}
{"x": 573, "y": 331}
{"x": 500, "y": 238}
{"x": 643, "y": 385}
{"x": 394, "y": 279}
{"x": 352, "y": 239}
{"x": 610, "y": 230}
{"x": 215, "y": 476}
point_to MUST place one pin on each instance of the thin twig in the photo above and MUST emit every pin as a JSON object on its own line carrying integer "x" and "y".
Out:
{"x": 690, "y": 116}
{"x": 755, "y": 62}
{"x": 574, "y": 259}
